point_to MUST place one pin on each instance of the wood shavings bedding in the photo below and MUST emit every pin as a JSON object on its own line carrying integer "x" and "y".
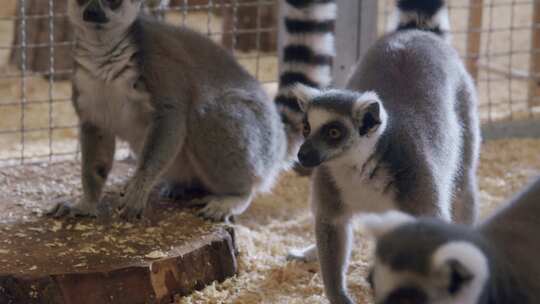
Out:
{"x": 271, "y": 226}
{"x": 275, "y": 223}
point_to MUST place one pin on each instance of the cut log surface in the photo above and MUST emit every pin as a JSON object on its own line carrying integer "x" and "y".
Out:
{"x": 43, "y": 260}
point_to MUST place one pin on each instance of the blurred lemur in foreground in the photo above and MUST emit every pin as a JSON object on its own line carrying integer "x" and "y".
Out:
{"x": 192, "y": 115}
{"x": 429, "y": 261}
{"x": 403, "y": 135}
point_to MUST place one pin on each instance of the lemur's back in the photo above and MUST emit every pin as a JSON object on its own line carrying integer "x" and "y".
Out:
{"x": 429, "y": 96}
{"x": 415, "y": 73}
{"x": 515, "y": 233}
{"x": 158, "y": 39}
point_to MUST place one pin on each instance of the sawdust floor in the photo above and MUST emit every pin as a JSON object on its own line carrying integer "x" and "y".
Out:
{"x": 275, "y": 223}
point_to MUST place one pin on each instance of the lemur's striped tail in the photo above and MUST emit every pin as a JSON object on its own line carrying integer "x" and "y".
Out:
{"x": 308, "y": 49}
{"x": 427, "y": 15}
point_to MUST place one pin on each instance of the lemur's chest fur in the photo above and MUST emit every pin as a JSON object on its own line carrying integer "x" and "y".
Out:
{"x": 112, "y": 96}
{"x": 363, "y": 188}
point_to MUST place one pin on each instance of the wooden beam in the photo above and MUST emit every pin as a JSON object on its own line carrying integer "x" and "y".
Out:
{"x": 529, "y": 128}
{"x": 474, "y": 36}
{"x": 356, "y": 31}
{"x": 504, "y": 71}
{"x": 534, "y": 66}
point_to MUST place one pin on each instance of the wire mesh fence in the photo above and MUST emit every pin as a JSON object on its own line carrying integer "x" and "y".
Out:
{"x": 37, "y": 121}
{"x": 498, "y": 39}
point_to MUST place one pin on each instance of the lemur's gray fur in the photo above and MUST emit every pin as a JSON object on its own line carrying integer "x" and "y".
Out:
{"x": 403, "y": 135}
{"x": 192, "y": 115}
{"x": 430, "y": 261}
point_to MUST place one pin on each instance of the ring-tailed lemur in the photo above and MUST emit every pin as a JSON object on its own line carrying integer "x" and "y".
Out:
{"x": 192, "y": 115}
{"x": 430, "y": 261}
{"x": 403, "y": 135}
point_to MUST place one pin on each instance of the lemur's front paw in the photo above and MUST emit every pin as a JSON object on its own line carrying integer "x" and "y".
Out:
{"x": 308, "y": 254}
{"x": 79, "y": 209}
{"x": 132, "y": 207}
{"x": 132, "y": 204}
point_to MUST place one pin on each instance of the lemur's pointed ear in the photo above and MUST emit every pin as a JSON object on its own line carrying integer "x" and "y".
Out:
{"x": 376, "y": 225}
{"x": 304, "y": 94}
{"x": 369, "y": 112}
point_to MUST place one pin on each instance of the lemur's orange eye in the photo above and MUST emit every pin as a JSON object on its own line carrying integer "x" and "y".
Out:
{"x": 334, "y": 133}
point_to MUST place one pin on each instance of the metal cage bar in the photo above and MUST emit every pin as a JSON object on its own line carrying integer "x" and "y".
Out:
{"x": 498, "y": 40}
{"x": 37, "y": 122}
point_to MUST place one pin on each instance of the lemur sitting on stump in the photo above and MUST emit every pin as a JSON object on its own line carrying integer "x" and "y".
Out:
{"x": 195, "y": 119}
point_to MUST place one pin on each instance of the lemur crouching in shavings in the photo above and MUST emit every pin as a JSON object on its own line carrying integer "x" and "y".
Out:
{"x": 429, "y": 261}
{"x": 192, "y": 115}
{"x": 403, "y": 135}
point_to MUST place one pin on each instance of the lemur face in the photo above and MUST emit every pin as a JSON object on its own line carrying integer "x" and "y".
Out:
{"x": 101, "y": 15}
{"x": 337, "y": 122}
{"x": 427, "y": 261}
{"x": 326, "y": 136}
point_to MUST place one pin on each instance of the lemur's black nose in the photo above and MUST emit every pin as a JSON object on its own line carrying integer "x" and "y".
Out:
{"x": 95, "y": 14}
{"x": 308, "y": 156}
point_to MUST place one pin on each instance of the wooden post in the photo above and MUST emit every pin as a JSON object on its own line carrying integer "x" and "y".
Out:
{"x": 356, "y": 30}
{"x": 534, "y": 66}
{"x": 474, "y": 36}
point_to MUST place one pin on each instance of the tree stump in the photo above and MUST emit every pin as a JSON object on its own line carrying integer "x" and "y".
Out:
{"x": 88, "y": 261}
{"x": 241, "y": 32}
{"x": 38, "y": 39}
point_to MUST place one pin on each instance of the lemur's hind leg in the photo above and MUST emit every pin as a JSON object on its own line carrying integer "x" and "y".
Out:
{"x": 223, "y": 207}
{"x": 233, "y": 151}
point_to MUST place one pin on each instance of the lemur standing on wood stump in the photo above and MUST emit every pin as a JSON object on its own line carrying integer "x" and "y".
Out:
{"x": 192, "y": 115}
{"x": 430, "y": 261}
{"x": 403, "y": 135}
